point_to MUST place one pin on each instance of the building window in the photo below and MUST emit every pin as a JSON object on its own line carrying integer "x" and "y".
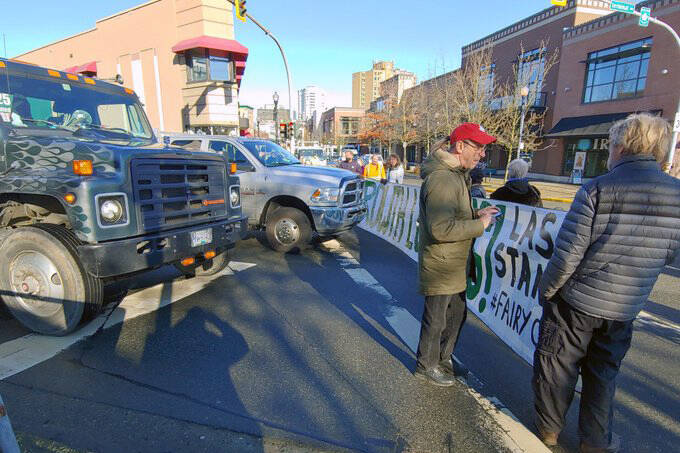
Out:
{"x": 349, "y": 125}
{"x": 532, "y": 69}
{"x": 201, "y": 67}
{"x": 617, "y": 72}
{"x": 486, "y": 80}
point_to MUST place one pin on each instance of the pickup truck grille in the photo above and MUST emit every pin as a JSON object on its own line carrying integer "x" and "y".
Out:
{"x": 353, "y": 192}
{"x": 177, "y": 192}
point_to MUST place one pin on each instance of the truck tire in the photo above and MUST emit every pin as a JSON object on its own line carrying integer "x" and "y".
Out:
{"x": 207, "y": 268}
{"x": 42, "y": 259}
{"x": 288, "y": 230}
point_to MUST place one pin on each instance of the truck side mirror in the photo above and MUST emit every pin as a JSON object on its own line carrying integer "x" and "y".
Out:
{"x": 245, "y": 166}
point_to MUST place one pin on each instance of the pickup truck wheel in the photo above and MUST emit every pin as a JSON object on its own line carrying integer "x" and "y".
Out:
{"x": 288, "y": 229}
{"x": 42, "y": 281}
{"x": 207, "y": 268}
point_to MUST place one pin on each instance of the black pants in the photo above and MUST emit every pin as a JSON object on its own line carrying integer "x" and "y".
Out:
{"x": 569, "y": 340}
{"x": 442, "y": 320}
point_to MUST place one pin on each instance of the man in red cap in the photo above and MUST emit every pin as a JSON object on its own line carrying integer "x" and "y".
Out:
{"x": 448, "y": 224}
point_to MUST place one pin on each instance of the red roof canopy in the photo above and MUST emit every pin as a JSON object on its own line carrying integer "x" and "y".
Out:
{"x": 90, "y": 68}
{"x": 210, "y": 42}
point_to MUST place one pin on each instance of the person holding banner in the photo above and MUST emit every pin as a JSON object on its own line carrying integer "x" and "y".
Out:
{"x": 448, "y": 225}
{"x": 375, "y": 169}
{"x": 623, "y": 228}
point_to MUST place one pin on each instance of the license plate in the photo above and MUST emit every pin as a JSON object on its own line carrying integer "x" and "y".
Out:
{"x": 201, "y": 237}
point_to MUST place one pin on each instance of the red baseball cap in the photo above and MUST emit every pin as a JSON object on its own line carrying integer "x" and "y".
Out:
{"x": 473, "y": 132}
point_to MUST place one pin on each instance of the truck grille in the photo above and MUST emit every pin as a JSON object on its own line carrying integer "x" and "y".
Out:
{"x": 353, "y": 192}
{"x": 177, "y": 192}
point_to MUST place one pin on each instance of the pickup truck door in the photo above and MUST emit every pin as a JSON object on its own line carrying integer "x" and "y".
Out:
{"x": 250, "y": 176}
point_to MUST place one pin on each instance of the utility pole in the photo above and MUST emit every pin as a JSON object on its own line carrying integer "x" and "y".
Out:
{"x": 285, "y": 63}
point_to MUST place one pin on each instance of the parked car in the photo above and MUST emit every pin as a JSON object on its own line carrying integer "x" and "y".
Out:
{"x": 312, "y": 156}
{"x": 87, "y": 195}
{"x": 290, "y": 201}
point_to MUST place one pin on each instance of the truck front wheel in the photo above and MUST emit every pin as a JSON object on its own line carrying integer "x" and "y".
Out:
{"x": 288, "y": 229}
{"x": 42, "y": 281}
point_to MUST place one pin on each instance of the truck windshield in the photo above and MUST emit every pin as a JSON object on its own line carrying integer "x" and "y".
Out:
{"x": 27, "y": 102}
{"x": 270, "y": 154}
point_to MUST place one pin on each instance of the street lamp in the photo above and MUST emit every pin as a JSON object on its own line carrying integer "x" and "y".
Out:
{"x": 524, "y": 92}
{"x": 275, "y": 97}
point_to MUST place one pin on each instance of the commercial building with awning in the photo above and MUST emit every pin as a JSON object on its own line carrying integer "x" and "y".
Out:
{"x": 592, "y": 126}
{"x": 180, "y": 57}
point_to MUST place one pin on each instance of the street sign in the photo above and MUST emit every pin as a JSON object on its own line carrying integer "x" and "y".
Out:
{"x": 559, "y": 2}
{"x": 644, "y": 16}
{"x": 623, "y": 7}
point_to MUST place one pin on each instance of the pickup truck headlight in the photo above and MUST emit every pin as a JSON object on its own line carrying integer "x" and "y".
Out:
{"x": 326, "y": 195}
{"x": 235, "y": 196}
{"x": 113, "y": 209}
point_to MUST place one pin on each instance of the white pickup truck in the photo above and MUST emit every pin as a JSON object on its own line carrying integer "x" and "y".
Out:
{"x": 290, "y": 201}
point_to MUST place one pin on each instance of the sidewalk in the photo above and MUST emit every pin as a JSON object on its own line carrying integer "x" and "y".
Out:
{"x": 550, "y": 191}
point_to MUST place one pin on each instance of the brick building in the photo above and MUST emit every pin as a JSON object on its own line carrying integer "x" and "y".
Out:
{"x": 340, "y": 125}
{"x": 611, "y": 67}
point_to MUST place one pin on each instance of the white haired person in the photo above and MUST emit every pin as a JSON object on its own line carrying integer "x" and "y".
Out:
{"x": 517, "y": 189}
{"x": 623, "y": 228}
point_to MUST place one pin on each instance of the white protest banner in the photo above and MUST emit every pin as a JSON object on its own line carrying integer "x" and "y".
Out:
{"x": 509, "y": 259}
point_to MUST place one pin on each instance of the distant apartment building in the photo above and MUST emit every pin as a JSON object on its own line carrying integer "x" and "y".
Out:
{"x": 311, "y": 100}
{"x": 394, "y": 87}
{"x": 340, "y": 125}
{"x": 366, "y": 84}
{"x": 180, "y": 57}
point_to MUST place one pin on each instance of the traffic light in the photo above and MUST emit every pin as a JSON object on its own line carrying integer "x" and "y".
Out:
{"x": 241, "y": 10}
{"x": 283, "y": 131}
{"x": 290, "y": 131}
{"x": 559, "y": 2}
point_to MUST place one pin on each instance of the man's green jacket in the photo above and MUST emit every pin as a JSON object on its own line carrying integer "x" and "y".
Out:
{"x": 448, "y": 225}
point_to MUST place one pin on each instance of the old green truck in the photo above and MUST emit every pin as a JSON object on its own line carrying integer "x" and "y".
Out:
{"x": 88, "y": 194}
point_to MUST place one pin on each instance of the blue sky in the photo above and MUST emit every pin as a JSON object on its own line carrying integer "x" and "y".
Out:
{"x": 325, "y": 40}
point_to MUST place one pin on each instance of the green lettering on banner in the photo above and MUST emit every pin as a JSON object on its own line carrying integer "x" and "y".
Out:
{"x": 487, "y": 253}
{"x": 377, "y": 213}
{"x": 394, "y": 213}
{"x": 384, "y": 223}
{"x": 414, "y": 204}
{"x": 473, "y": 287}
{"x": 401, "y": 217}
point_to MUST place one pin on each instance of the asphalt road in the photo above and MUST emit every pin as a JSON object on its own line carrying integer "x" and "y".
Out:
{"x": 286, "y": 355}
{"x": 295, "y": 354}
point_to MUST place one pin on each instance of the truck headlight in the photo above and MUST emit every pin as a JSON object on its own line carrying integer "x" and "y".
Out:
{"x": 235, "y": 196}
{"x": 112, "y": 209}
{"x": 326, "y": 195}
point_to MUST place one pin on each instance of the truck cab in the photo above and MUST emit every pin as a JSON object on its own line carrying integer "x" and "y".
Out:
{"x": 288, "y": 200}
{"x": 88, "y": 194}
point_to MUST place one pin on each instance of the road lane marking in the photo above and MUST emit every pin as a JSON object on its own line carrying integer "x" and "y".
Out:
{"x": 24, "y": 352}
{"x": 515, "y": 436}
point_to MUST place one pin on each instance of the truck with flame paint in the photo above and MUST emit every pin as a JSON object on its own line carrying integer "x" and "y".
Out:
{"x": 88, "y": 194}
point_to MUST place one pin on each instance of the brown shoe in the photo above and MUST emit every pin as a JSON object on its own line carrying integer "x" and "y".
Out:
{"x": 548, "y": 438}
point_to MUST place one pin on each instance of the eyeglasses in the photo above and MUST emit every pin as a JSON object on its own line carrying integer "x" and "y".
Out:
{"x": 478, "y": 148}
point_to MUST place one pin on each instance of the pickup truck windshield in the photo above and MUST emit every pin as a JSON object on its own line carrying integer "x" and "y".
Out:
{"x": 27, "y": 102}
{"x": 270, "y": 154}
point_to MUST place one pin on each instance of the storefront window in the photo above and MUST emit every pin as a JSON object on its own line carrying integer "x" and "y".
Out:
{"x": 596, "y": 155}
